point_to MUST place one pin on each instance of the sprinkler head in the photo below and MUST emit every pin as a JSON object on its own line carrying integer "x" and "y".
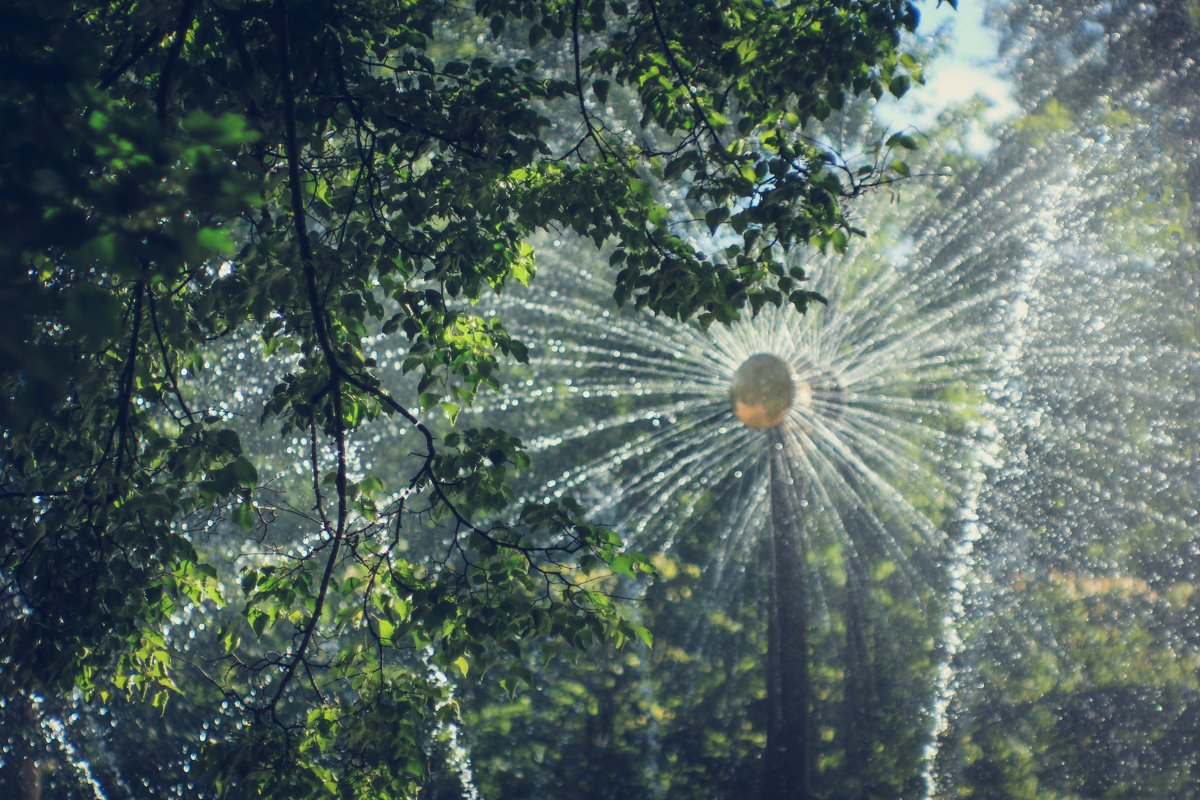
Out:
{"x": 762, "y": 391}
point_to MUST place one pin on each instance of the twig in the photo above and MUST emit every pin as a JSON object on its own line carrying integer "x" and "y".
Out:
{"x": 317, "y": 310}
{"x": 164, "y": 83}
{"x": 125, "y": 395}
{"x": 162, "y": 346}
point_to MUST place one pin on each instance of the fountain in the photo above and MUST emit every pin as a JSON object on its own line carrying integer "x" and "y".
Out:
{"x": 994, "y": 415}
{"x": 762, "y": 392}
{"x": 764, "y": 389}
{"x": 808, "y": 431}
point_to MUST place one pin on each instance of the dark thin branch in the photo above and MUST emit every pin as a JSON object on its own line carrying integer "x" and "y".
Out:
{"x": 683, "y": 80}
{"x": 308, "y": 262}
{"x": 162, "y": 347}
{"x": 439, "y": 492}
{"x": 125, "y": 396}
{"x": 234, "y": 26}
{"x": 326, "y": 578}
{"x": 587, "y": 118}
{"x": 138, "y": 52}
{"x": 318, "y": 496}
{"x": 164, "y": 82}
{"x": 312, "y": 681}
{"x": 339, "y": 377}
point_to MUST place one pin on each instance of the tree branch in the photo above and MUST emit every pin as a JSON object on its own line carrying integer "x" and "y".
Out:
{"x": 308, "y": 262}
{"x": 587, "y": 119}
{"x": 125, "y": 395}
{"x": 162, "y": 347}
{"x": 138, "y": 52}
{"x": 164, "y": 82}
{"x": 683, "y": 80}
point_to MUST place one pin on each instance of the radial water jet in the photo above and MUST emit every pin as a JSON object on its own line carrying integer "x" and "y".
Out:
{"x": 802, "y": 432}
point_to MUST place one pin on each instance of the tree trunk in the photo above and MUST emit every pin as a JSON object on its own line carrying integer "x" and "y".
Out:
{"x": 26, "y": 748}
{"x": 788, "y": 757}
{"x": 856, "y": 686}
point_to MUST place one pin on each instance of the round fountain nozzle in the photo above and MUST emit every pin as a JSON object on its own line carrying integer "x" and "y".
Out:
{"x": 762, "y": 391}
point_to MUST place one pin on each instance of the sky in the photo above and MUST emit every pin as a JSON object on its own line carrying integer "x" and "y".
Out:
{"x": 969, "y": 68}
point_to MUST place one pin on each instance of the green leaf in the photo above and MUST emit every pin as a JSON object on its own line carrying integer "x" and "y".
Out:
{"x": 644, "y": 634}
{"x": 716, "y": 217}
{"x": 245, "y": 516}
{"x": 839, "y": 240}
{"x": 216, "y": 240}
{"x": 228, "y": 441}
{"x": 677, "y": 166}
{"x": 244, "y": 472}
{"x": 623, "y": 564}
{"x": 258, "y": 621}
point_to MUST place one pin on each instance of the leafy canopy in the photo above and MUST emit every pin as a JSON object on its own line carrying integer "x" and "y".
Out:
{"x": 182, "y": 177}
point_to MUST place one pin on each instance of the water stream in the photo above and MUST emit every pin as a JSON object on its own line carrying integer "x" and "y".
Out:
{"x": 1015, "y": 355}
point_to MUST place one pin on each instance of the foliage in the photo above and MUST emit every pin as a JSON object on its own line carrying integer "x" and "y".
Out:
{"x": 183, "y": 177}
